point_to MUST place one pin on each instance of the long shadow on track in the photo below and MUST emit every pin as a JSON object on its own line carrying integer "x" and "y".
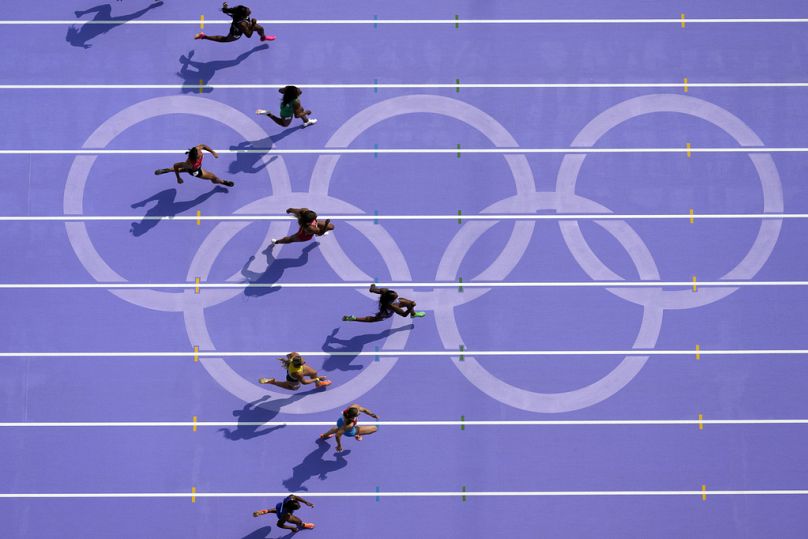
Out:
{"x": 205, "y": 71}
{"x": 79, "y": 36}
{"x": 248, "y": 162}
{"x": 354, "y": 344}
{"x": 259, "y": 411}
{"x": 314, "y": 465}
{"x": 275, "y": 269}
{"x": 263, "y": 533}
{"x": 167, "y": 206}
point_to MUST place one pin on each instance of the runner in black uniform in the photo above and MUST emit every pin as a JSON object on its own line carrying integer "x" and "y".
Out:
{"x": 285, "y": 511}
{"x": 242, "y": 25}
{"x": 389, "y": 304}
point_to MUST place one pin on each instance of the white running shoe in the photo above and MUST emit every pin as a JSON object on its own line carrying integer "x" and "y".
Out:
{"x": 261, "y": 111}
{"x": 311, "y": 121}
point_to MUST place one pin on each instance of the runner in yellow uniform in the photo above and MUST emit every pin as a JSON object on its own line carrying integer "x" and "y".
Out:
{"x": 297, "y": 373}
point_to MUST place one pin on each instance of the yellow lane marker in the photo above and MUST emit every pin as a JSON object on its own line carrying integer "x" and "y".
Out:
{"x": 704, "y": 493}
{"x": 689, "y": 147}
{"x": 202, "y": 22}
{"x": 198, "y": 215}
{"x": 683, "y": 20}
{"x": 698, "y": 351}
{"x": 685, "y": 84}
{"x": 694, "y": 283}
{"x": 196, "y": 354}
{"x": 701, "y": 425}
{"x": 194, "y": 423}
{"x": 691, "y": 216}
{"x": 196, "y": 288}
{"x": 193, "y": 494}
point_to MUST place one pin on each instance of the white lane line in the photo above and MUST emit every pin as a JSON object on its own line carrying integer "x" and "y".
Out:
{"x": 414, "y": 353}
{"x": 320, "y": 151}
{"x": 401, "y": 494}
{"x": 402, "y": 86}
{"x": 452, "y": 217}
{"x": 407, "y": 285}
{"x": 526, "y": 423}
{"x": 677, "y": 21}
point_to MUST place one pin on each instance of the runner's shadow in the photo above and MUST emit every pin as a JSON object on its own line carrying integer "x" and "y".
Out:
{"x": 167, "y": 206}
{"x": 78, "y": 36}
{"x": 261, "y": 533}
{"x": 247, "y": 162}
{"x": 260, "y": 411}
{"x": 250, "y": 163}
{"x": 354, "y": 344}
{"x": 314, "y": 465}
{"x": 275, "y": 269}
{"x": 205, "y": 71}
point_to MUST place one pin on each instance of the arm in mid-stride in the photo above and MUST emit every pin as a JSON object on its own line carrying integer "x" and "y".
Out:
{"x": 301, "y": 500}
{"x": 209, "y": 150}
{"x": 325, "y": 227}
{"x": 177, "y": 170}
{"x": 364, "y": 410}
{"x": 376, "y": 290}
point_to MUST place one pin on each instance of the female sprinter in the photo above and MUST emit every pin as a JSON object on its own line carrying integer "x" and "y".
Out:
{"x": 285, "y": 511}
{"x": 193, "y": 166}
{"x": 242, "y": 24}
{"x": 389, "y": 304}
{"x": 290, "y": 106}
{"x": 309, "y": 226}
{"x": 297, "y": 372}
{"x": 347, "y": 425}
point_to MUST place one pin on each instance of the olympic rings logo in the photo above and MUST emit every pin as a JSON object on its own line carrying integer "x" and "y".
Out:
{"x": 442, "y": 301}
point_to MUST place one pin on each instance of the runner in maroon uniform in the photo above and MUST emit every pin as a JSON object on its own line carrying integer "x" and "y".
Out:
{"x": 309, "y": 226}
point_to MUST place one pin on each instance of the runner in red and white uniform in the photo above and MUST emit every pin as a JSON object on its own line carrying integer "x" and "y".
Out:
{"x": 193, "y": 166}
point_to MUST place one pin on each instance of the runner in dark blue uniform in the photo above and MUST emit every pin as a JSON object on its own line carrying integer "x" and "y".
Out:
{"x": 285, "y": 511}
{"x": 389, "y": 304}
{"x": 242, "y": 25}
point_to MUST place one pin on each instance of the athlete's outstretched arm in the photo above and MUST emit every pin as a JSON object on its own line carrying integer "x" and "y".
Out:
{"x": 301, "y": 500}
{"x": 325, "y": 228}
{"x": 177, "y": 171}
{"x": 376, "y": 290}
{"x": 209, "y": 150}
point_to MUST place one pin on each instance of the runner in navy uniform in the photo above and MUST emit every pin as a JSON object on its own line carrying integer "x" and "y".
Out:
{"x": 285, "y": 511}
{"x": 242, "y": 25}
{"x": 389, "y": 304}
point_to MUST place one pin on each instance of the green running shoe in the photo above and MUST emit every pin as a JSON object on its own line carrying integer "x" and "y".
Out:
{"x": 348, "y": 318}
{"x": 418, "y": 314}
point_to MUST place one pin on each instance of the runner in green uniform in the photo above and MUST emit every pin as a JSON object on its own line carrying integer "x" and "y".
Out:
{"x": 290, "y": 108}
